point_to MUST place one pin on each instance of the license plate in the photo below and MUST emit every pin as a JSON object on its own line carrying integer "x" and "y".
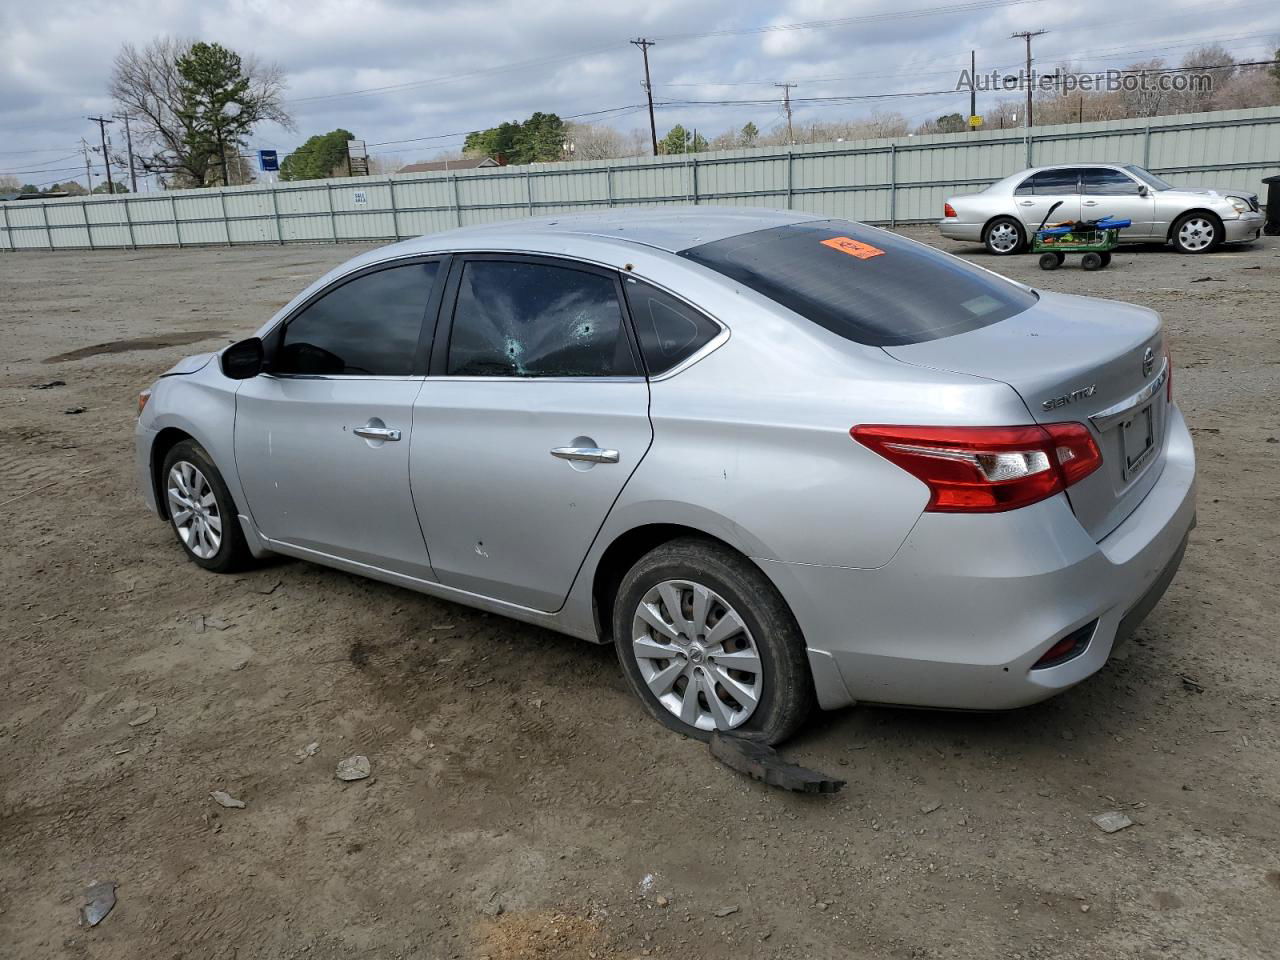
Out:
{"x": 1138, "y": 440}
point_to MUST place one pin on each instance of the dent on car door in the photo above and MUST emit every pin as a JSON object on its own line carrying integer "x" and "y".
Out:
{"x": 535, "y": 416}
{"x": 1048, "y": 190}
{"x": 322, "y": 438}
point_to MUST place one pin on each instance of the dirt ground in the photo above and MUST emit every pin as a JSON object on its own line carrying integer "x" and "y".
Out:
{"x": 521, "y": 803}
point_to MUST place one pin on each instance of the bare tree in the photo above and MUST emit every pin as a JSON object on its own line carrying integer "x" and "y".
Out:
{"x": 1198, "y": 60}
{"x": 595, "y": 141}
{"x": 1248, "y": 87}
{"x": 148, "y": 85}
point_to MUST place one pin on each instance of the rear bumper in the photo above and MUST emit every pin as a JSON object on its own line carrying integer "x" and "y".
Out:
{"x": 955, "y": 230}
{"x": 970, "y": 603}
{"x": 1247, "y": 227}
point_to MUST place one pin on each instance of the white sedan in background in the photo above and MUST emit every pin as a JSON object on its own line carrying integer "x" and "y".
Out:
{"x": 1193, "y": 219}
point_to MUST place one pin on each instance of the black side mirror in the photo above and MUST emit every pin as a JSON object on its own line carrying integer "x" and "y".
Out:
{"x": 243, "y": 360}
{"x": 1142, "y": 190}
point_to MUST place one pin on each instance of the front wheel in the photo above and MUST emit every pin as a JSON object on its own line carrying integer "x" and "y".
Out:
{"x": 1004, "y": 236}
{"x": 1051, "y": 261}
{"x": 201, "y": 512}
{"x": 1092, "y": 261}
{"x": 707, "y": 643}
{"x": 1196, "y": 233}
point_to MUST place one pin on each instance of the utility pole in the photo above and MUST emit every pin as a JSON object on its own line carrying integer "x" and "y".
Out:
{"x": 1027, "y": 35}
{"x": 973, "y": 89}
{"x": 106, "y": 158}
{"x": 644, "y": 45}
{"x": 128, "y": 140}
{"x": 88, "y": 177}
{"x": 786, "y": 105}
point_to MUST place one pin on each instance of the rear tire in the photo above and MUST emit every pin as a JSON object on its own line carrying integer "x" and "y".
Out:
{"x": 1092, "y": 261}
{"x": 1051, "y": 261}
{"x": 201, "y": 512}
{"x": 732, "y": 637}
{"x": 1004, "y": 236}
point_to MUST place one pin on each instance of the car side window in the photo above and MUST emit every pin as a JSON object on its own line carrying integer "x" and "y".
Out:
{"x": 1101, "y": 181}
{"x": 517, "y": 318}
{"x": 1049, "y": 183}
{"x": 669, "y": 330}
{"x": 366, "y": 327}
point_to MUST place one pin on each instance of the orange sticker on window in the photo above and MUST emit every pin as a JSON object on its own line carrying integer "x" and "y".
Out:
{"x": 863, "y": 251}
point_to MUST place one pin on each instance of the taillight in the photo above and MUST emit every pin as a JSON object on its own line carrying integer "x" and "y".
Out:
{"x": 948, "y": 210}
{"x": 987, "y": 469}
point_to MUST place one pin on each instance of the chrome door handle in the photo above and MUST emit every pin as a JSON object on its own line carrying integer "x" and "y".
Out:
{"x": 1091, "y": 203}
{"x": 1027, "y": 203}
{"x": 586, "y": 454}
{"x": 376, "y": 433}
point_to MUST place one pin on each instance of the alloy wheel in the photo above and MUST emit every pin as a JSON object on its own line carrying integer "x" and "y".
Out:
{"x": 1003, "y": 238}
{"x": 1196, "y": 234}
{"x": 194, "y": 510}
{"x": 696, "y": 655}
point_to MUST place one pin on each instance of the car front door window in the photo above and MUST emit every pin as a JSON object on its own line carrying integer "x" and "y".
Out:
{"x": 1108, "y": 192}
{"x": 366, "y": 327}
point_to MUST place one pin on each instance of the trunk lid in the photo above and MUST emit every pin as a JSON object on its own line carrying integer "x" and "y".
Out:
{"x": 1097, "y": 362}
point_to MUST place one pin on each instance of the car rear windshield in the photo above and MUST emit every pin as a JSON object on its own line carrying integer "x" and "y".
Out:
{"x": 866, "y": 285}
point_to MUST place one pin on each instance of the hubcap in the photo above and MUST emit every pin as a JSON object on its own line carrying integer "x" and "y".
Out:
{"x": 194, "y": 510}
{"x": 696, "y": 655}
{"x": 1003, "y": 237}
{"x": 1196, "y": 234}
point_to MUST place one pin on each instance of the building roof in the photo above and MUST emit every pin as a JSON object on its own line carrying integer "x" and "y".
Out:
{"x": 467, "y": 163}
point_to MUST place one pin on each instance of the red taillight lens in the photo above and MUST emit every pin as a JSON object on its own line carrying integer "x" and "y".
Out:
{"x": 948, "y": 210}
{"x": 987, "y": 469}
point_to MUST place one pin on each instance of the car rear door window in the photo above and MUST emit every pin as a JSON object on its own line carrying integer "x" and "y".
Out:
{"x": 669, "y": 330}
{"x": 369, "y": 326}
{"x": 864, "y": 284}
{"x": 516, "y": 318}
{"x": 1101, "y": 181}
{"x": 1048, "y": 183}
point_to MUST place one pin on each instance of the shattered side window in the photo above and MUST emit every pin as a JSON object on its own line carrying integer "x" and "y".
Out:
{"x": 515, "y": 319}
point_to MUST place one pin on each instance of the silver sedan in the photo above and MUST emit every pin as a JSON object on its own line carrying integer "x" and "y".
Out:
{"x": 1194, "y": 219}
{"x": 776, "y": 459}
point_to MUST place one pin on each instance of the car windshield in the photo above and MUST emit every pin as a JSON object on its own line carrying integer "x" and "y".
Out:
{"x": 1149, "y": 178}
{"x": 866, "y": 285}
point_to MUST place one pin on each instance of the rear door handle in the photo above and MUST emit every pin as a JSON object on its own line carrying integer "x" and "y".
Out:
{"x": 1027, "y": 203}
{"x": 586, "y": 454}
{"x": 1091, "y": 203}
{"x": 376, "y": 433}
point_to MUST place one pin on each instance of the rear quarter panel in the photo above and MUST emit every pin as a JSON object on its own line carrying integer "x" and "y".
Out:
{"x": 752, "y": 442}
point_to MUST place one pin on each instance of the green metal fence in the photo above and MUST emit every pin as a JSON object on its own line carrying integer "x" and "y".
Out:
{"x": 892, "y": 181}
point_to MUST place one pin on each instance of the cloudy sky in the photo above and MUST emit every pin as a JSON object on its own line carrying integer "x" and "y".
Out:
{"x": 409, "y": 77}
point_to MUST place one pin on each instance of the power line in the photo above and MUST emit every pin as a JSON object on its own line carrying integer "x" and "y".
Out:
{"x": 543, "y": 61}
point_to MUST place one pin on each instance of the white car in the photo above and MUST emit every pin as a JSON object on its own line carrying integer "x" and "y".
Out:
{"x": 1193, "y": 219}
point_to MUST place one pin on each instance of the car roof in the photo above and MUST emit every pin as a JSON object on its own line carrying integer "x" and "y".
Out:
{"x": 671, "y": 230}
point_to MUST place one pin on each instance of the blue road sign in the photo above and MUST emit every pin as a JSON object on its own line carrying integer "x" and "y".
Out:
{"x": 268, "y": 161}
